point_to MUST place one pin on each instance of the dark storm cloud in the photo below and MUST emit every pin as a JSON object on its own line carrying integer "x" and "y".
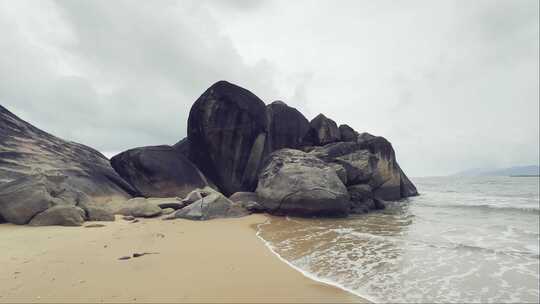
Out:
{"x": 452, "y": 84}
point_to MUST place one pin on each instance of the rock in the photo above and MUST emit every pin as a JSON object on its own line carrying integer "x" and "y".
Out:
{"x": 357, "y": 161}
{"x": 407, "y": 188}
{"x": 244, "y": 197}
{"x": 124, "y": 258}
{"x": 26, "y": 150}
{"x": 97, "y": 213}
{"x": 323, "y": 131}
{"x": 62, "y": 215}
{"x": 158, "y": 171}
{"x": 297, "y": 183}
{"x": 138, "y": 207}
{"x": 183, "y": 147}
{"x": 362, "y": 137}
{"x": 227, "y": 129}
{"x": 362, "y": 199}
{"x": 252, "y": 207}
{"x": 287, "y": 126}
{"x": 128, "y": 218}
{"x": 387, "y": 175}
{"x": 370, "y": 160}
{"x": 249, "y": 201}
{"x": 347, "y": 133}
{"x": 171, "y": 205}
{"x": 211, "y": 206}
{"x": 94, "y": 226}
{"x": 340, "y": 171}
{"x": 23, "y": 198}
{"x": 167, "y": 211}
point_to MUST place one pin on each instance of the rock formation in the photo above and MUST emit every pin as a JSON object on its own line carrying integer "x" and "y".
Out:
{"x": 158, "y": 171}
{"x": 266, "y": 158}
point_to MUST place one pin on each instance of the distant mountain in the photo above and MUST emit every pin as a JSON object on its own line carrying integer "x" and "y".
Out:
{"x": 512, "y": 171}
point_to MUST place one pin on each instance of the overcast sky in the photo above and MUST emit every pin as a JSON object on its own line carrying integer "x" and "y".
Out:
{"x": 452, "y": 84}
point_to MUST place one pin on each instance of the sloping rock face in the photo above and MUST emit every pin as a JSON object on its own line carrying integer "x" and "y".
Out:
{"x": 323, "y": 131}
{"x": 287, "y": 126}
{"x": 26, "y": 150}
{"x": 294, "y": 182}
{"x": 227, "y": 129}
{"x": 158, "y": 171}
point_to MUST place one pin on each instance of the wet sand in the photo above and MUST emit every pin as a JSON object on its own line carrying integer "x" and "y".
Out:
{"x": 213, "y": 261}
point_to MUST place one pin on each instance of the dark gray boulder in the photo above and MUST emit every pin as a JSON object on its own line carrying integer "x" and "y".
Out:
{"x": 323, "y": 130}
{"x": 296, "y": 183}
{"x": 227, "y": 129}
{"x": 287, "y": 126}
{"x": 63, "y": 215}
{"x": 26, "y": 150}
{"x": 158, "y": 171}
{"x": 347, "y": 133}
{"x": 212, "y": 205}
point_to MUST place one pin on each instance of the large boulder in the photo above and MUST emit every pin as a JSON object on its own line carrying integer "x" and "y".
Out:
{"x": 62, "y": 215}
{"x": 158, "y": 171}
{"x": 24, "y": 198}
{"x": 211, "y": 205}
{"x": 227, "y": 129}
{"x": 294, "y": 182}
{"x": 388, "y": 180}
{"x": 26, "y": 151}
{"x": 323, "y": 131}
{"x": 287, "y": 126}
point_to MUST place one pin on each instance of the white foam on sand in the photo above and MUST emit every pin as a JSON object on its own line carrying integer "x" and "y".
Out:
{"x": 306, "y": 273}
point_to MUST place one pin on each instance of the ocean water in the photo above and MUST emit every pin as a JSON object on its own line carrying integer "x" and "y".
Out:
{"x": 464, "y": 240}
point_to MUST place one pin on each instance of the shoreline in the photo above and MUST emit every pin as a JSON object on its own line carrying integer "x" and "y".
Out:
{"x": 222, "y": 260}
{"x": 305, "y": 273}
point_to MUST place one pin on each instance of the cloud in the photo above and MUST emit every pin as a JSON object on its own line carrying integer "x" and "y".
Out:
{"x": 453, "y": 85}
{"x": 115, "y": 75}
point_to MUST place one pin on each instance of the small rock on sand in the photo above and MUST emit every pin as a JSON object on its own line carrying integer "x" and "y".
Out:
{"x": 94, "y": 226}
{"x": 128, "y": 218}
{"x": 124, "y": 258}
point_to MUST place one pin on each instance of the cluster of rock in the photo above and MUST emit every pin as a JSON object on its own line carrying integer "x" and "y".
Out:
{"x": 264, "y": 158}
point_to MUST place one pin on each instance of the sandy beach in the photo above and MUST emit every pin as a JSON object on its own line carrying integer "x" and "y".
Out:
{"x": 213, "y": 261}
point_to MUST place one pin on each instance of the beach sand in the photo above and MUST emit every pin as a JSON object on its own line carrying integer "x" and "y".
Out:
{"x": 213, "y": 261}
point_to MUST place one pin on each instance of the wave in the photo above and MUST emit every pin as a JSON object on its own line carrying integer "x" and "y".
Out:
{"x": 305, "y": 273}
{"x": 486, "y": 207}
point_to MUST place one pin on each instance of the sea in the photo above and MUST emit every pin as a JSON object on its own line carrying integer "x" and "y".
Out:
{"x": 463, "y": 240}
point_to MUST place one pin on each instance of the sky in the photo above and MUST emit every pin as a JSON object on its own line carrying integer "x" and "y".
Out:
{"x": 453, "y": 84}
